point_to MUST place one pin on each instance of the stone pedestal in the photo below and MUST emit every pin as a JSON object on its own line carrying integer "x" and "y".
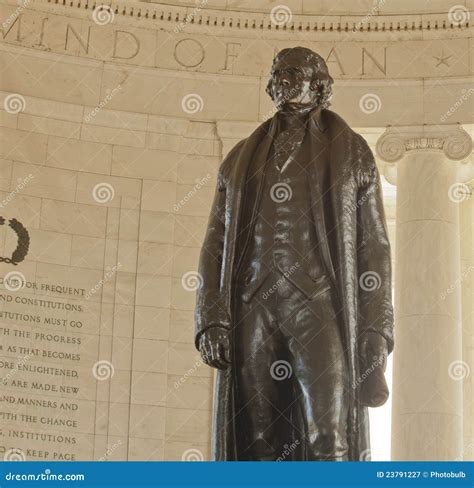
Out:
{"x": 427, "y": 419}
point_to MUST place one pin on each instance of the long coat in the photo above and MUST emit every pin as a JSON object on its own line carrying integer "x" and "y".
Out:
{"x": 348, "y": 213}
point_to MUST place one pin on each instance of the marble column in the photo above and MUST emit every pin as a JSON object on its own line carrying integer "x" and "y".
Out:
{"x": 427, "y": 412}
{"x": 466, "y": 216}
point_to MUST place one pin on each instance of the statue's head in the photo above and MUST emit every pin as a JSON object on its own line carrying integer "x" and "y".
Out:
{"x": 299, "y": 80}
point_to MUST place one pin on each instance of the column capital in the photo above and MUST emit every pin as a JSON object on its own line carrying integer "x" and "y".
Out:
{"x": 396, "y": 142}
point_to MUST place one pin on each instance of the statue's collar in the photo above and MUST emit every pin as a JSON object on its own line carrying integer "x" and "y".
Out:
{"x": 316, "y": 114}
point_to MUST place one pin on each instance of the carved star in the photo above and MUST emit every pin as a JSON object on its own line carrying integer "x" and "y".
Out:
{"x": 442, "y": 59}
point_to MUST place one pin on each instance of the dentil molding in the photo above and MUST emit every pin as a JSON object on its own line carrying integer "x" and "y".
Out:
{"x": 282, "y": 19}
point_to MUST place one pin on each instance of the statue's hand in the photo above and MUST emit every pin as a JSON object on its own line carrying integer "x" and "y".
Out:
{"x": 214, "y": 346}
{"x": 373, "y": 349}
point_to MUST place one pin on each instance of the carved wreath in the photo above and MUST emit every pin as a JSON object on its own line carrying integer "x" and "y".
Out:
{"x": 23, "y": 242}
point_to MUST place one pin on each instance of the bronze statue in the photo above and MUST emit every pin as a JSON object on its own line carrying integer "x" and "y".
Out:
{"x": 294, "y": 307}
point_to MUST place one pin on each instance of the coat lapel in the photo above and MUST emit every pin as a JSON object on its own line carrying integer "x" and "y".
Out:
{"x": 317, "y": 204}
{"x": 258, "y": 142}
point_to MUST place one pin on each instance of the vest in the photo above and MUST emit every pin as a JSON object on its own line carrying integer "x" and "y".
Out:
{"x": 283, "y": 235}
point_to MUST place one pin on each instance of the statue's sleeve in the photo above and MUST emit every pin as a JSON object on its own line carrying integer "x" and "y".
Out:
{"x": 210, "y": 308}
{"x": 373, "y": 254}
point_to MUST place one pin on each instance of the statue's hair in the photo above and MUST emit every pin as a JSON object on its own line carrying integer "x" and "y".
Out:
{"x": 324, "y": 83}
{"x": 325, "y": 92}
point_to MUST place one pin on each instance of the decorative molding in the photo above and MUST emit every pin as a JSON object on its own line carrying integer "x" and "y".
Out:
{"x": 23, "y": 244}
{"x": 176, "y": 15}
{"x": 395, "y": 142}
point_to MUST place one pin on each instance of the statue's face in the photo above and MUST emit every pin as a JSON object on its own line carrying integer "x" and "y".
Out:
{"x": 293, "y": 85}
